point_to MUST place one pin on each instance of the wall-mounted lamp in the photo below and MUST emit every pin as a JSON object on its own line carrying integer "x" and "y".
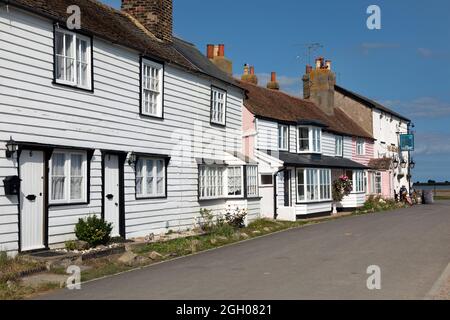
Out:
{"x": 395, "y": 163}
{"x": 11, "y": 148}
{"x": 403, "y": 164}
{"x": 412, "y": 164}
{"x": 132, "y": 158}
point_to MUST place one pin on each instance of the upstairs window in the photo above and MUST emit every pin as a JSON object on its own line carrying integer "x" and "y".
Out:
{"x": 309, "y": 140}
{"x": 73, "y": 59}
{"x": 339, "y": 147}
{"x": 283, "y": 137}
{"x": 360, "y": 147}
{"x": 218, "y": 106}
{"x": 68, "y": 177}
{"x": 152, "y": 85}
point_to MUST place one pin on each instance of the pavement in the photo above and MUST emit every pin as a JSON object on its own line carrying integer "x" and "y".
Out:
{"x": 322, "y": 261}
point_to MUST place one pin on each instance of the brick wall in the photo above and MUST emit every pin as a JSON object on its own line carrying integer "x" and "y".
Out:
{"x": 155, "y": 15}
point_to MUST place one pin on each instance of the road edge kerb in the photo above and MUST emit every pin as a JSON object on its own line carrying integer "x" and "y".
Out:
{"x": 432, "y": 294}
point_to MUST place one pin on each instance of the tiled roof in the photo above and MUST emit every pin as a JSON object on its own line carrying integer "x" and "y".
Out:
{"x": 201, "y": 62}
{"x": 380, "y": 164}
{"x": 277, "y": 105}
{"x": 370, "y": 103}
{"x": 109, "y": 24}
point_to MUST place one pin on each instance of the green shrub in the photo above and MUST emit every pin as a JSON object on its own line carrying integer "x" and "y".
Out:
{"x": 70, "y": 245}
{"x": 224, "y": 230}
{"x": 93, "y": 230}
{"x": 206, "y": 221}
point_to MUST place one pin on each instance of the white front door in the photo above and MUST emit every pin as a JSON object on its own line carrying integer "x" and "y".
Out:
{"x": 267, "y": 205}
{"x": 31, "y": 164}
{"x": 112, "y": 195}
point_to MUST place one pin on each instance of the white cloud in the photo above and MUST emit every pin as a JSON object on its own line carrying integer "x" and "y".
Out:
{"x": 432, "y": 143}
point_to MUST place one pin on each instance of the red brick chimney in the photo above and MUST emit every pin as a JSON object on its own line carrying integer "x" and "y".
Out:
{"x": 273, "y": 84}
{"x": 155, "y": 15}
{"x": 318, "y": 85}
{"x": 216, "y": 54}
{"x": 249, "y": 75}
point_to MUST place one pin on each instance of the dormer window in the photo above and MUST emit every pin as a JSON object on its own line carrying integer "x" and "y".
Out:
{"x": 309, "y": 140}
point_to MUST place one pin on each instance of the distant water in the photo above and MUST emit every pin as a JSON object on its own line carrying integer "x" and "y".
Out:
{"x": 431, "y": 187}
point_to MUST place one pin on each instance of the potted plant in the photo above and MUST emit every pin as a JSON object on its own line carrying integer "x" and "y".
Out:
{"x": 341, "y": 188}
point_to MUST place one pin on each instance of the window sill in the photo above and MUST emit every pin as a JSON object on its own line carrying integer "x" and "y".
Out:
{"x": 72, "y": 86}
{"x": 226, "y": 198}
{"x": 314, "y": 202}
{"x": 152, "y": 116}
{"x": 218, "y": 124}
{"x": 151, "y": 198}
{"x": 67, "y": 204}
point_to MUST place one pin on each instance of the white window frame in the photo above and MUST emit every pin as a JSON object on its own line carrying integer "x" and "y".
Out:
{"x": 217, "y": 175}
{"x": 241, "y": 181}
{"x": 321, "y": 184}
{"x": 378, "y": 183}
{"x": 314, "y": 139}
{"x": 218, "y": 107}
{"x": 339, "y": 146}
{"x": 360, "y": 147}
{"x": 152, "y": 85}
{"x": 252, "y": 181}
{"x": 145, "y": 194}
{"x": 88, "y": 62}
{"x": 283, "y": 137}
{"x": 358, "y": 180}
{"x": 67, "y": 174}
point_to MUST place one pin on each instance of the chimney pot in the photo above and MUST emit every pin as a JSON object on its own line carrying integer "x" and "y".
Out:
{"x": 328, "y": 64}
{"x": 246, "y": 69}
{"x": 252, "y": 70}
{"x": 210, "y": 51}
{"x": 308, "y": 69}
{"x": 221, "y": 50}
{"x": 273, "y": 77}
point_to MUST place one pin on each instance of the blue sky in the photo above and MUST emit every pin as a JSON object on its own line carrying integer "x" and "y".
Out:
{"x": 405, "y": 65}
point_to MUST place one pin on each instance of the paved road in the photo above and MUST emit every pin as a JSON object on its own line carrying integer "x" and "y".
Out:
{"x": 324, "y": 261}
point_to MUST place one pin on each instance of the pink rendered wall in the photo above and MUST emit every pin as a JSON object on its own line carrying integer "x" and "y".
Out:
{"x": 386, "y": 187}
{"x": 369, "y": 154}
{"x": 248, "y": 126}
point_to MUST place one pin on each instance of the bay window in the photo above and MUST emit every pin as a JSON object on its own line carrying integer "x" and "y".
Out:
{"x": 339, "y": 146}
{"x": 150, "y": 178}
{"x": 309, "y": 140}
{"x": 235, "y": 181}
{"x": 283, "y": 137}
{"x": 218, "y": 106}
{"x": 68, "y": 177}
{"x": 211, "y": 182}
{"x": 252, "y": 181}
{"x": 73, "y": 59}
{"x": 152, "y": 81}
{"x": 358, "y": 181}
{"x": 313, "y": 185}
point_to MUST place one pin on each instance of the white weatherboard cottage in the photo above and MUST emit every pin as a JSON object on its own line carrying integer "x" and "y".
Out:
{"x": 120, "y": 124}
{"x": 301, "y": 150}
